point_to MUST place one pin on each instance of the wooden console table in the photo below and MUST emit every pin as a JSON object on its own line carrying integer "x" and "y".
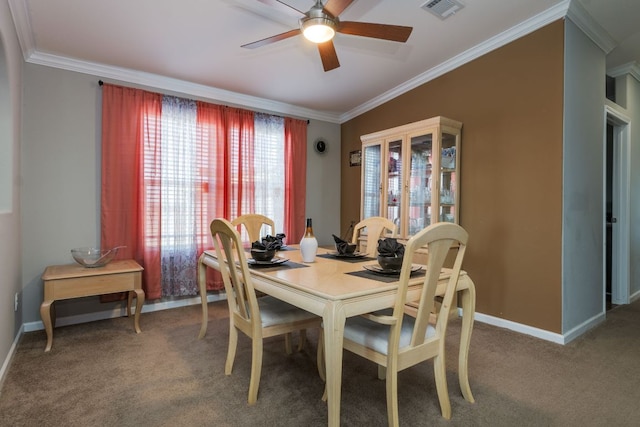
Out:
{"x": 74, "y": 281}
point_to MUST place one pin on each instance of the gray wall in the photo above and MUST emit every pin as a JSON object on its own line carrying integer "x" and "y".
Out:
{"x": 583, "y": 163}
{"x": 323, "y": 182}
{"x": 10, "y": 241}
{"x": 61, "y": 196}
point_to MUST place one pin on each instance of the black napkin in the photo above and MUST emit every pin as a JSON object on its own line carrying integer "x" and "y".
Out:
{"x": 270, "y": 242}
{"x": 342, "y": 246}
{"x": 262, "y": 246}
{"x": 390, "y": 247}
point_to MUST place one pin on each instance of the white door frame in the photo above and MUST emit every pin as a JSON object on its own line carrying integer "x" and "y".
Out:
{"x": 621, "y": 193}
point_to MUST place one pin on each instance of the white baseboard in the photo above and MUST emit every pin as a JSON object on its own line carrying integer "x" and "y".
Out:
{"x": 520, "y": 328}
{"x": 119, "y": 312}
{"x": 540, "y": 333}
{"x": 584, "y": 327}
{"x": 7, "y": 360}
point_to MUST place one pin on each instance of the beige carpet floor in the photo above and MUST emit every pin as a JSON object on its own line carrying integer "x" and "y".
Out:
{"x": 103, "y": 374}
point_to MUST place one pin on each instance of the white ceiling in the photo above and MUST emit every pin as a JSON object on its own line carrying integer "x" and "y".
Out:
{"x": 193, "y": 46}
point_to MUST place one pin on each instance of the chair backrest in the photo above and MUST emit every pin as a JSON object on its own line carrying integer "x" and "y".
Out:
{"x": 234, "y": 269}
{"x": 377, "y": 227}
{"x": 253, "y": 224}
{"x": 439, "y": 238}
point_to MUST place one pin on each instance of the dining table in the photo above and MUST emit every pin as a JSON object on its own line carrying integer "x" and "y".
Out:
{"x": 336, "y": 287}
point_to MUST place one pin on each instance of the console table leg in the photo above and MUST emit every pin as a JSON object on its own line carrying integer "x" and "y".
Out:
{"x": 45, "y": 314}
{"x": 139, "y": 302}
{"x": 129, "y": 302}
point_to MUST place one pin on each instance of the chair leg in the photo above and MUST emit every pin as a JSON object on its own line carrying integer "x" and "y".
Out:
{"x": 392, "y": 397}
{"x": 382, "y": 372}
{"x": 231, "y": 351}
{"x": 320, "y": 358}
{"x": 303, "y": 339}
{"x": 440, "y": 373}
{"x": 287, "y": 343}
{"x": 256, "y": 369}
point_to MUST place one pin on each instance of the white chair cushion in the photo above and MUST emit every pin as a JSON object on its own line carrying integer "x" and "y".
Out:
{"x": 376, "y": 336}
{"x": 275, "y": 312}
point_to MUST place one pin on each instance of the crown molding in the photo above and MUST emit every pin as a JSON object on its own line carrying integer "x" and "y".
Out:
{"x": 579, "y": 16}
{"x": 630, "y": 68}
{"x": 177, "y": 85}
{"x": 21, "y": 20}
{"x": 552, "y": 14}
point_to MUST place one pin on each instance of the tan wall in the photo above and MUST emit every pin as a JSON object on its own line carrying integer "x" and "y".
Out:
{"x": 510, "y": 102}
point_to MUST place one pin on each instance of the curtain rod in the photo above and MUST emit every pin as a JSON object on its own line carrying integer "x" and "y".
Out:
{"x": 100, "y": 83}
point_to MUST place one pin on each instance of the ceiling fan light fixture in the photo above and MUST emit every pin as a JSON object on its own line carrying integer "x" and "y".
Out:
{"x": 318, "y": 29}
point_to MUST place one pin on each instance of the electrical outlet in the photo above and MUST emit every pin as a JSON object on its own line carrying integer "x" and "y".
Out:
{"x": 15, "y": 303}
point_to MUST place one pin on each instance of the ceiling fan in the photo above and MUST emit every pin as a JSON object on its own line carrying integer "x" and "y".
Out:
{"x": 320, "y": 23}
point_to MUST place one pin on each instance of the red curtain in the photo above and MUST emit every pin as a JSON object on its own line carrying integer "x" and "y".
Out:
{"x": 131, "y": 202}
{"x": 210, "y": 138}
{"x": 240, "y": 141}
{"x": 129, "y": 118}
{"x": 295, "y": 181}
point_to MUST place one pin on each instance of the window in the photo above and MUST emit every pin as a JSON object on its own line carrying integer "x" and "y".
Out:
{"x": 182, "y": 184}
{"x": 268, "y": 174}
{"x": 172, "y": 165}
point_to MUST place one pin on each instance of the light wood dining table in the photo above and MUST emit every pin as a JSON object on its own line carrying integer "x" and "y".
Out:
{"x": 336, "y": 289}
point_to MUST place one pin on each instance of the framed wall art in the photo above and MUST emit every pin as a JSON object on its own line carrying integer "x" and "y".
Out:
{"x": 355, "y": 158}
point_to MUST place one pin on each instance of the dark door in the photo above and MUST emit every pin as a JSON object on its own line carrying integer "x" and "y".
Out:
{"x": 609, "y": 215}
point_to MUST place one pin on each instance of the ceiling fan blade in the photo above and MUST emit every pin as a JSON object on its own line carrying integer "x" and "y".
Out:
{"x": 336, "y": 7}
{"x": 288, "y": 9}
{"x": 328, "y": 55}
{"x": 272, "y": 39}
{"x": 396, "y": 33}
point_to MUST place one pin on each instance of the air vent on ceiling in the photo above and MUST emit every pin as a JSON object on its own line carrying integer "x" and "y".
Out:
{"x": 442, "y": 8}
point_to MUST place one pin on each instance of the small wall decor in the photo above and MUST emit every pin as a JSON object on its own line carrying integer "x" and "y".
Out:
{"x": 320, "y": 146}
{"x": 355, "y": 158}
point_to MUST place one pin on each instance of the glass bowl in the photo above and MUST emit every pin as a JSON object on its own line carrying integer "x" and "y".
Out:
{"x": 390, "y": 263}
{"x": 93, "y": 257}
{"x": 263, "y": 255}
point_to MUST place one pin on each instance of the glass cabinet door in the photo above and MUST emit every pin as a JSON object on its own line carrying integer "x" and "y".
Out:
{"x": 448, "y": 178}
{"x": 420, "y": 183}
{"x": 371, "y": 180}
{"x": 394, "y": 183}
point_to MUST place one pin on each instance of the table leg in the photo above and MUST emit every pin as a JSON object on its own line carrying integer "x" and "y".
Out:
{"x": 45, "y": 314}
{"x": 468, "y": 303}
{"x": 202, "y": 283}
{"x": 334, "y": 319}
{"x": 139, "y": 302}
{"x": 129, "y": 302}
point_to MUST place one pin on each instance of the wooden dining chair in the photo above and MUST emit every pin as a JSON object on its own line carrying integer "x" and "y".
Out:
{"x": 376, "y": 227}
{"x": 258, "y": 318}
{"x": 253, "y": 224}
{"x": 396, "y": 341}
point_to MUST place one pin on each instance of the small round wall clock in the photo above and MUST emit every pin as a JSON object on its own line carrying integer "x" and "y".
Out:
{"x": 320, "y": 146}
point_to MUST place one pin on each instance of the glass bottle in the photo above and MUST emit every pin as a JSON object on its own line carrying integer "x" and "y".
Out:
{"x": 309, "y": 244}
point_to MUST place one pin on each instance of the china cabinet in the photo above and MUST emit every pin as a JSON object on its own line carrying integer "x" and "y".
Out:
{"x": 410, "y": 174}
